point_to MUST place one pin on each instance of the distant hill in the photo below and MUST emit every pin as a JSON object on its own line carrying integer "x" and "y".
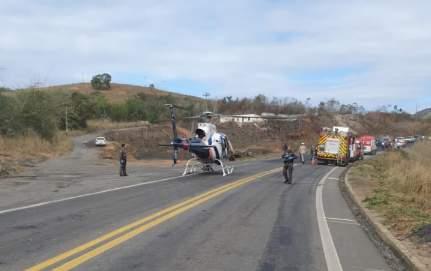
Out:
{"x": 424, "y": 114}
{"x": 118, "y": 92}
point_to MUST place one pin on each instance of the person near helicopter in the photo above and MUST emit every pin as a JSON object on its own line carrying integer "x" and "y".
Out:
{"x": 288, "y": 159}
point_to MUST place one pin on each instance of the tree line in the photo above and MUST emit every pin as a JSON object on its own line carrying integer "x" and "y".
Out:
{"x": 261, "y": 104}
{"x": 46, "y": 112}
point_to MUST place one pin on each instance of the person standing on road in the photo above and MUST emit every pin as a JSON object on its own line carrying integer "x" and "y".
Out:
{"x": 312, "y": 154}
{"x": 302, "y": 152}
{"x": 123, "y": 160}
{"x": 288, "y": 159}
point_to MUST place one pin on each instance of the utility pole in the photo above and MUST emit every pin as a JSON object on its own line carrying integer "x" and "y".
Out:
{"x": 206, "y": 95}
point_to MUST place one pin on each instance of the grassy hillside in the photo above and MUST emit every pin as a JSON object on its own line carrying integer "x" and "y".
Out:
{"x": 118, "y": 92}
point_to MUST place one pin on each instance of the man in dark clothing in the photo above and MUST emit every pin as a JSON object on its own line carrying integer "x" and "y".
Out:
{"x": 313, "y": 154}
{"x": 288, "y": 159}
{"x": 123, "y": 160}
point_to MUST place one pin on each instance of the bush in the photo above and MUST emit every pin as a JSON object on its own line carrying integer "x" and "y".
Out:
{"x": 119, "y": 112}
{"x": 3, "y": 89}
{"x": 9, "y": 122}
{"x": 135, "y": 109}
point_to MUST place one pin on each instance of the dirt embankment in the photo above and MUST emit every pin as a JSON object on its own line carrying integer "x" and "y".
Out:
{"x": 142, "y": 142}
{"x": 376, "y": 123}
{"x": 247, "y": 139}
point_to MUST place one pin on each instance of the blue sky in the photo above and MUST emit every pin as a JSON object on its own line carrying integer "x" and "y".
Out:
{"x": 370, "y": 52}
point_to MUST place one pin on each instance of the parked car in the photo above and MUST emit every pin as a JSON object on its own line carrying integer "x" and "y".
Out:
{"x": 410, "y": 139}
{"x": 100, "y": 141}
{"x": 400, "y": 142}
{"x": 384, "y": 143}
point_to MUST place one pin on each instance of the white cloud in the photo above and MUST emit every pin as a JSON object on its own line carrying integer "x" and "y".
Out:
{"x": 241, "y": 47}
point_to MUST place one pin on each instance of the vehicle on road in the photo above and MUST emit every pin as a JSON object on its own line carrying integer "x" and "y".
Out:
{"x": 338, "y": 146}
{"x": 368, "y": 144}
{"x": 384, "y": 142}
{"x": 400, "y": 142}
{"x": 100, "y": 141}
{"x": 356, "y": 150}
{"x": 410, "y": 139}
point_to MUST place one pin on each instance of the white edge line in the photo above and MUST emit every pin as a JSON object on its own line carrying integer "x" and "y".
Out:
{"x": 329, "y": 250}
{"x": 88, "y": 195}
{"x": 342, "y": 219}
{"x": 343, "y": 222}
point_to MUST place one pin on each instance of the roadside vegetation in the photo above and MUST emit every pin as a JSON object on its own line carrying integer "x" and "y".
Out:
{"x": 43, "y": 115}
{"x": 399, "y": 188}
{"x": 24, "y": 150}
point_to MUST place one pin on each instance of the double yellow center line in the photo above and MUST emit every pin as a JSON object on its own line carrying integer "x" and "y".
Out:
{"x": 114, "y": 238}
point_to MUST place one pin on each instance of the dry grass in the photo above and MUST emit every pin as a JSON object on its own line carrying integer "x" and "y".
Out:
{"x": 400, "y": 184}
{"x": 118, "y": 92}
{"x": 409, "y": 174}
{"x": 24, "y": 150}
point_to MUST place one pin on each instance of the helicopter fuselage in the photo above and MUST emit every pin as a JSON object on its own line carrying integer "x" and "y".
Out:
{"x": 208, "y": 145}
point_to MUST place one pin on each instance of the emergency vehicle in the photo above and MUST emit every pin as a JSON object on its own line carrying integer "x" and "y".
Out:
{"x": 368, "y": 144}
{"x": 338, "y": 146}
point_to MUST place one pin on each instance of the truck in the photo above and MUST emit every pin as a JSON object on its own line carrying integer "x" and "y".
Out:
{"x": 338, "y": 146}
{"x": 368, "y": 144}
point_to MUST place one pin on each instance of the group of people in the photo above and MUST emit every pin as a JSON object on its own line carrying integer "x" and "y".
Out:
{"x": 289, "y": 158}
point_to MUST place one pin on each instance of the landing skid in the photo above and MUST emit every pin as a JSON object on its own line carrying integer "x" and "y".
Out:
{"x": 192, "y": 167}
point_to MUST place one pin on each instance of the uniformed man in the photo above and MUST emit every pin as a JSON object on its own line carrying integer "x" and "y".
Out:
{"x": 123, "y": 160}
{"x": 288, "y": 159}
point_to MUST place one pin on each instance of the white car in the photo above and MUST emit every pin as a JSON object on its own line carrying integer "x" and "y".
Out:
{"x": 100, "y": 141}
{"x": 400, "y": 142}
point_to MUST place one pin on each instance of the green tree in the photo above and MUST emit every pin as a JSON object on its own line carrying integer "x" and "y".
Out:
{"x": 83, "y": 108}
{"x": 101, "y": 81}
{"x": 38, "y": 113}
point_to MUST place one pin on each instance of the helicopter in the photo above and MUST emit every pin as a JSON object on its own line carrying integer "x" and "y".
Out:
{"x": 210, "y": 149}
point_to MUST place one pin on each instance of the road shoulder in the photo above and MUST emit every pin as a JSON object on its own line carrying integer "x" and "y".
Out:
{"x": 402, "y": 251}
{"x": 354, "y": 248}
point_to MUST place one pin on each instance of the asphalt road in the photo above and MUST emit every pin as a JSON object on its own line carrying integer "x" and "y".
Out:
{"x": 249, "y": 220}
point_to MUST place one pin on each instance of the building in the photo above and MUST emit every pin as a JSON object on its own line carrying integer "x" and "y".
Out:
{"x": 254, "y": 118}
{"x": 242, "y": 118}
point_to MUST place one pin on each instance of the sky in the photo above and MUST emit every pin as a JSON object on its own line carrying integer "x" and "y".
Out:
{"x": 370, "y": 52}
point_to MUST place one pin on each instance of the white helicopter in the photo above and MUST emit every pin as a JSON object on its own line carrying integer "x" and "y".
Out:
{"x": 210, "y": 149}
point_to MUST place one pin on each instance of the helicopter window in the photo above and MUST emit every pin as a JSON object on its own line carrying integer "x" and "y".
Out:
{"x": 200, "y": 133}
